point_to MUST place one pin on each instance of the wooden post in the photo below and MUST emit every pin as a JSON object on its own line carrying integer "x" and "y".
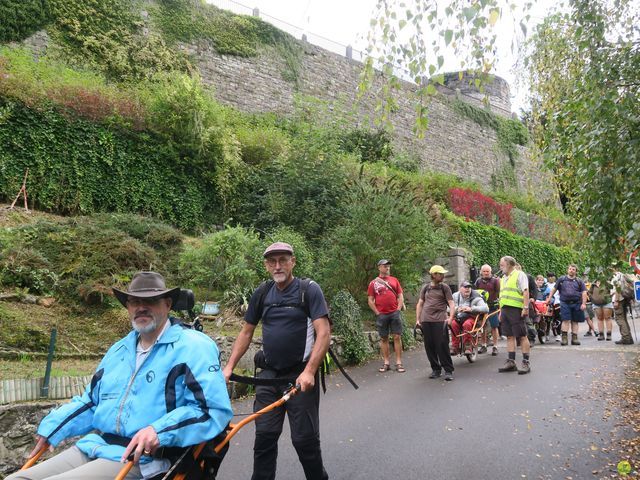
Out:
{"x": 23, "y": 192}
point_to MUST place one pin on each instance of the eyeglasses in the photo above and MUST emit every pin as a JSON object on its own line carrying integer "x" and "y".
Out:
{"x": 272, "y": 262}
{"x": 139, "y": 302}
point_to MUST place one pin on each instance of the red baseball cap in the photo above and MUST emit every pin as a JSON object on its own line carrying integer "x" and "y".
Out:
{"x": 278, "y": 247}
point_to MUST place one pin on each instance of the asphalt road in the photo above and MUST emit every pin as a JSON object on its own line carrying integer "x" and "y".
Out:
{"x": 551, "y": 424}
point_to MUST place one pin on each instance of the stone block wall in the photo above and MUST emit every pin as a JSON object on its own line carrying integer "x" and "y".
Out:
{"x": 452, "y": 144}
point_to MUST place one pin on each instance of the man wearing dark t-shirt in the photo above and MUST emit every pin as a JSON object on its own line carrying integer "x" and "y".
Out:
{"x": 294, "y": 345}
{"x": 490, "y": 284}
{"x": 433, "y": 320}
{"x": 573, "y": 303}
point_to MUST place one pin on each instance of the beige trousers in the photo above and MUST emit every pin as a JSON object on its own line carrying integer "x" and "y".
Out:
{"x": 72, "y": 464}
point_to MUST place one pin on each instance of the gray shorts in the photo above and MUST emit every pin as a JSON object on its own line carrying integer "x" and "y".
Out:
{"x": 386, "y": 322}
{"x": 512, "y": 321}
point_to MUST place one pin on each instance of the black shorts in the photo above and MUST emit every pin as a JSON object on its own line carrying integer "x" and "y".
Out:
{"x": 512, "y": 321}
{"x": 389, "y": 321}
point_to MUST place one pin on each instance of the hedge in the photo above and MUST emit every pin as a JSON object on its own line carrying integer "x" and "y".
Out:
{"x": 488, "y": 244}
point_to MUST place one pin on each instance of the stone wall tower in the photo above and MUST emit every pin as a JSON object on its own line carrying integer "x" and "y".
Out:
{"x": 496, "y": 88}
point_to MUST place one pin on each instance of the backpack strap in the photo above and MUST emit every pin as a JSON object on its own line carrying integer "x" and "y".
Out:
{"x": 262, "y": 291}
{"x": 386, "y": 284}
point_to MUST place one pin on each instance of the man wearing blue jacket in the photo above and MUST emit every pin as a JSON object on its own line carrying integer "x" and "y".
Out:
{"x": 159, "y": 387}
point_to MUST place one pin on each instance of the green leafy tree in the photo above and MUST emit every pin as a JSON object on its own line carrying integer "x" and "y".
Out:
{"x": 382, "y": 220}
{"x": 411, "y": 40}
{"x": 584, "y": 69}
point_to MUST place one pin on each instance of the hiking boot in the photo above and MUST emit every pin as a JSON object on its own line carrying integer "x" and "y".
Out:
{"x": 509, "y": 366}
{"x": 574, "y": 339}
{"x": 482, "y": 349}
{"x": 435, "y": 374}
{"x": 624, "y": 342}
{"x": 526, "y": 368}
{"x": 565, "y": 340}
{"x": 588, "y": 334}
{"x": 609, "y": 336}
{"x": 494, "y": 352}
{"x": 448, "y": 376}
{"x": 601, "y": 337}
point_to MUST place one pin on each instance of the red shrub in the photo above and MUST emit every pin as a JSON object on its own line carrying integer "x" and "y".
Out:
{"x": 96, "y": 106}
{"x": 475, "y": 206}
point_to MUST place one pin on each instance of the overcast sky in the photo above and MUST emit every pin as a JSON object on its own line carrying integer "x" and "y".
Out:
{"x": 347, "y": 22}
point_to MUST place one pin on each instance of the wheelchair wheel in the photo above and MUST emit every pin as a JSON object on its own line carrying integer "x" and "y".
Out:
{"x": 471, "y": 357}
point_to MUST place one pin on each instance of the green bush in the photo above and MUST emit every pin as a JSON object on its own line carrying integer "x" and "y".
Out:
{"x": 224, "y": 260}
{"x": 381, "y": 221}
{"x": 488, "y": 244}
{"x": 306, "y": 191}
{"x": 21, "y": 18}
{"x": 370, "y": 145}
{"x": 263, "y": 144}
{"x": 347, "y": 324}
{"x": 81, "y": 167}
{"x": 80, "y": 258}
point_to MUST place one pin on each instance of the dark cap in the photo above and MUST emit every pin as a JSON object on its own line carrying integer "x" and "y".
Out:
{"x": 384, "y": 261}
{"x": 278, "y": 247}
{"x": 147, "y": 285}
{"x": 466, "y": 284}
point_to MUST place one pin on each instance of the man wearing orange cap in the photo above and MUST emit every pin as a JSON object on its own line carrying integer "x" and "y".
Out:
{"x": 432, "y": 318}
{"x": 295, "y": 340}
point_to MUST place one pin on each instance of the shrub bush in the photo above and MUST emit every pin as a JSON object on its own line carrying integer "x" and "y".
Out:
{"x": 78, "y": 257}
{"x": 259, "y": 145}
{"x": 82, "y": 168}
{"x": 21, "y": 18}
{"x": 370, "y": 145}
{"x": 306, "y": 191}
{"x": 221, "y": 261}
{"x": 381, "y": 221}
{"x": 473, "y": 205}
{"x": 347, "y": 324}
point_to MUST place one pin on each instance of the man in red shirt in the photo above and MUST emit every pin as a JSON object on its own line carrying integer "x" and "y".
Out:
{"x": 386, "y": 300}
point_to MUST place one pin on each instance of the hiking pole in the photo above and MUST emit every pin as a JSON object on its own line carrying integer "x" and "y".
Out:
{"x": 32, "y": 461}
{"x": 237, "y": 426}
{"x": 633, "y": 321}
{"x": 230, "y": 434}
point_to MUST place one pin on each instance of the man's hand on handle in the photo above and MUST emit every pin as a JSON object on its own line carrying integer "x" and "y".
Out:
{"x": 145, "y": 442}
{"x": 40, "y": 443}
{"x": 306, "y": 381}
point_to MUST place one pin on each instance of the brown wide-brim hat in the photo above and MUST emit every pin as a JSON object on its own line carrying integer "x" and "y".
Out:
{"x": 147, "y": 285}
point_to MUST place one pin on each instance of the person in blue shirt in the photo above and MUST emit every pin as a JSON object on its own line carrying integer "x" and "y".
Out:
{"x": 159, "y": 387}
{"x": 573, "y": 303}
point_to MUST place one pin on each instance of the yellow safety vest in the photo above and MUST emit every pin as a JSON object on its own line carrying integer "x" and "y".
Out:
{"x": 509, "y": 293}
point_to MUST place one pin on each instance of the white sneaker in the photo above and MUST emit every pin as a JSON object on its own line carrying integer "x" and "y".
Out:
{"x": 546, "y": 339}
{"x": 502, "y": 337}
{"x": 558, "y": 338}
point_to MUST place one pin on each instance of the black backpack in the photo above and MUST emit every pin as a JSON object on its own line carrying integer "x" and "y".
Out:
{"x": 302, "y": 304}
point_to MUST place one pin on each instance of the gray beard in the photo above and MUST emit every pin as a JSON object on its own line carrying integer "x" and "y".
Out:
{"x": 146, "y": 329}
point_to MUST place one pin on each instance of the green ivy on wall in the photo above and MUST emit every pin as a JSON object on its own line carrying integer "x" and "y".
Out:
{"x": 488, "y": 244}
{"x": 80, "y": 167}
{"x": 510, "y": 133}
{"x": 230, "y": 34}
